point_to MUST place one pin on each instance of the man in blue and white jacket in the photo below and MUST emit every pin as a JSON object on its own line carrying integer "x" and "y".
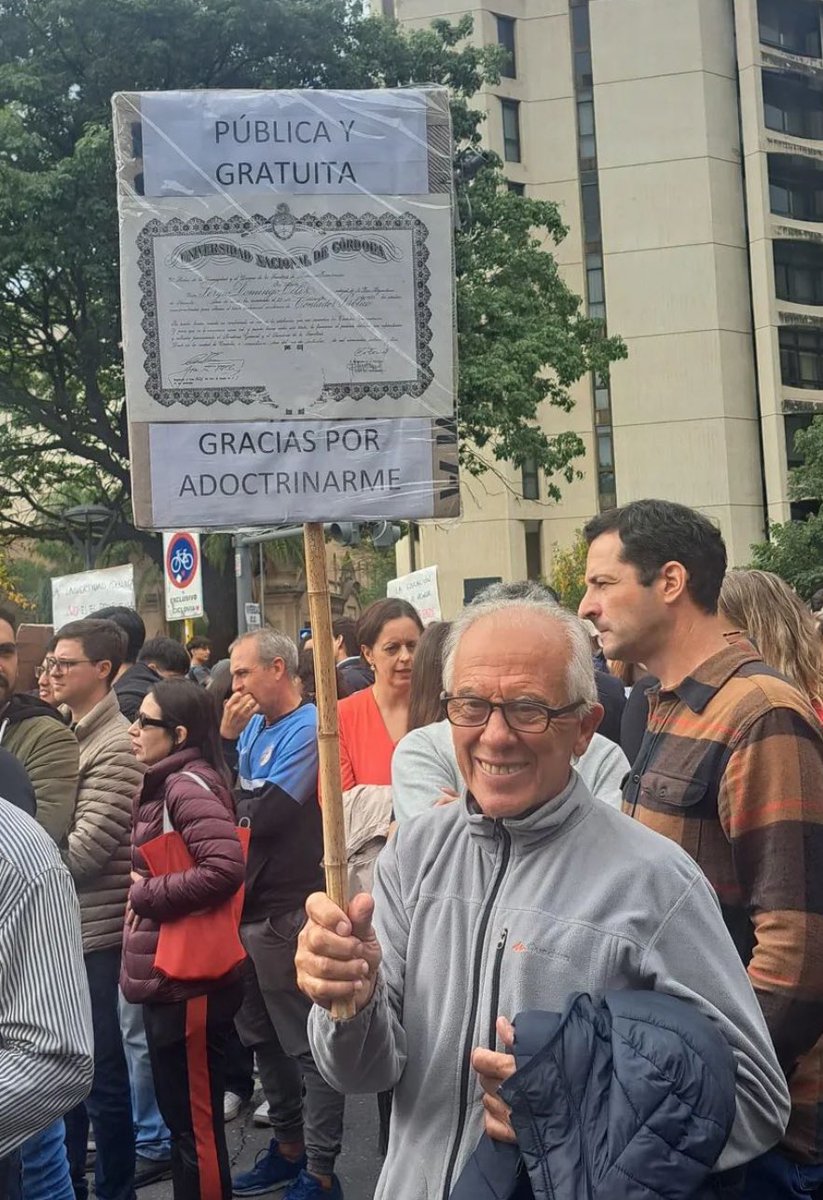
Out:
{"x": 276, "y": 758}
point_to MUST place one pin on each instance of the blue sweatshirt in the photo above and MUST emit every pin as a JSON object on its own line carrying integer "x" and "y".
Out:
{"x": 277, "y": 794}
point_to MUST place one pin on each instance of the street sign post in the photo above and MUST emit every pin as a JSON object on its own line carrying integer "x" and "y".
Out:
{"x": 182, "y": 575}
{"x": 289, "y": 333}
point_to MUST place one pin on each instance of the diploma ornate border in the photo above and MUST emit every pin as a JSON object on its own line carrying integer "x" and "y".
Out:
{"x": 243, "y": 225}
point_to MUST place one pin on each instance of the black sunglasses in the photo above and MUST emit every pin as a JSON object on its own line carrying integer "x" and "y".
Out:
{"x": 152, "y": 722}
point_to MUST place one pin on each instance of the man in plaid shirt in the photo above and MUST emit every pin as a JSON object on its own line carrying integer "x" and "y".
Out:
{"x": 731, "y": 768}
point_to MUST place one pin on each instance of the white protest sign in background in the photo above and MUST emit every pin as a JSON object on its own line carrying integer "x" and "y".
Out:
{"x": 74, "y": 597}
{"x": 182, "y": 575}
{"x": 420, "y": 589}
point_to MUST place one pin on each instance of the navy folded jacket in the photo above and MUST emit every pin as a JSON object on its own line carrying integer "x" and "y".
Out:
{"x": 628, "y": 1098}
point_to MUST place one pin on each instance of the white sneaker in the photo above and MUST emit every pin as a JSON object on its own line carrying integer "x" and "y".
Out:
{"x": 261, "y": 1115}
{"x": 231, "y": 1106}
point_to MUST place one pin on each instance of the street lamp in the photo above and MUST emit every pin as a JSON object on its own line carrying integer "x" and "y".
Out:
{"x": 89, "y": 527}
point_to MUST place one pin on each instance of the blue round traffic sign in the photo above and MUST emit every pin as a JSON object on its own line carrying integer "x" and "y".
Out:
{"x": 181, "y": 559}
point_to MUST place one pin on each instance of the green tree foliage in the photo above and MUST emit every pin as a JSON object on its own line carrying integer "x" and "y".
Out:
{"x": 523, "y": 337}
{"x": 795, "y": 550}
{"x": 568, "y": 572}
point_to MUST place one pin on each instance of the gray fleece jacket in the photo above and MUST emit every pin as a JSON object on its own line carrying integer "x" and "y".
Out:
{"x": 478, "y": 918}
{"x": 424, "y": 763}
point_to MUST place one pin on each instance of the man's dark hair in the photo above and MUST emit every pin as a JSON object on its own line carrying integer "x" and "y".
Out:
{"x": 345, "y": 628}
{"x": 379, "y": 614}
{"x": 198, "y": 643}
{"x": 100, "y": 640}
{"x": 130, "y": 621}
{"x": 815, "y": 604}
{"x": 10, "y": 617}
{"x": 166, "y": 653}
{"x": 654, "y": 532}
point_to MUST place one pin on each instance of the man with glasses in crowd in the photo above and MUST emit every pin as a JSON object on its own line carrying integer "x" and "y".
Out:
{"x": 525, "y": 892}
{"x": 85, "y": 662}
{"x": 35, "y": 734}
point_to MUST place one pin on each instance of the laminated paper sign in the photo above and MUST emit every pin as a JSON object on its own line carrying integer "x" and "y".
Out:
{"x": 287, "y": 269}
{"x": 76, "y": 596}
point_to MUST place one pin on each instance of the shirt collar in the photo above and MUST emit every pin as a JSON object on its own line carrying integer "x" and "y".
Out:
{"x": 699, "y": 688}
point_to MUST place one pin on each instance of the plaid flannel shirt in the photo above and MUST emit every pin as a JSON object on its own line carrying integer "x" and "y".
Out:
{"x": 731, "y": 768}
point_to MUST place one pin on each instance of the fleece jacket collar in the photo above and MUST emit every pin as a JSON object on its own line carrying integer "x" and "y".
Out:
{"x": 552, "y": 819}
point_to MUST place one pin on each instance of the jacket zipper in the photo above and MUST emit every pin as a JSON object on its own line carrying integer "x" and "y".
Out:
{"x": 498, "y": 964}
{"x": 465, "y": 1070}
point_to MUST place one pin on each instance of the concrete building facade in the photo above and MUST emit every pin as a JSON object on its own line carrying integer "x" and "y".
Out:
{"x": 683, "y": 143}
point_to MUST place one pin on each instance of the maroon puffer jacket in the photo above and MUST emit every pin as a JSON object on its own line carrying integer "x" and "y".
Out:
{"x": 205, "y": 820}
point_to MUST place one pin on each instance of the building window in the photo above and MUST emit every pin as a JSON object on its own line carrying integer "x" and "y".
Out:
{"x": 534, "y": 550}
{"x": 795, "y": 187}
{"x": 798, "y": 272}
{"x": 590, "y": 195}
{"x": 595, "y": 289}
{"x": 602, "y": 403}
{"x": 790, "y": 106}
{"x": 530, "y": 480}
{"x": 793, "y": 424}
{"x": 606, "y": 490}
{"x": 790, "y": 25}
{"x": 581, "y": 28}
{"x": 801, "y": 204}
{"x": 585, "y": 129}
{"x": 519, "y": 189}
{"x": 605, "y": 451}
{"x": 505, "y": 38}
{"x": 801, "y": 357}
{"x": 511, "y": 130}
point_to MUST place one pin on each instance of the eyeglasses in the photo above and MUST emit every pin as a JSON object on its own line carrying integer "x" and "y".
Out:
{"x": 524, "y": 716}
{"x": 151, "y": 722}
{"x": 56, "y": 666}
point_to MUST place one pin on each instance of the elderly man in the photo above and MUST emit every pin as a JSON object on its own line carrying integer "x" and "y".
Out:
{"x": 523, "y": 893}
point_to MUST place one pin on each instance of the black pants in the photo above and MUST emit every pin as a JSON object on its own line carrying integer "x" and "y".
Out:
{"x": 187, "y": 1047}
{"x": 239, "y": 1068}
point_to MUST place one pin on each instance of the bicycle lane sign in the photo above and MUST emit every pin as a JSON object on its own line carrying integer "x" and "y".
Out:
{"x": 182, "y": 574}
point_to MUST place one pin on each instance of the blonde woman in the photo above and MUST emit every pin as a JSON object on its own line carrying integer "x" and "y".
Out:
{"x": 775, "y": 618}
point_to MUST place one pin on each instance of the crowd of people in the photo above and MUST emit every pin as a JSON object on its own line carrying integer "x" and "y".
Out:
{"x": 584, "y": 945}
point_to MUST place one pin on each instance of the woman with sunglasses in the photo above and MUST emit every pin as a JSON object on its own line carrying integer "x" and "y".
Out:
{"x": 176, "y": 735}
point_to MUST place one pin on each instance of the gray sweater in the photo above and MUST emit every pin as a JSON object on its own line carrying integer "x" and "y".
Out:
{"x": 424, "y": 763}
{"x": 478, "y": 918}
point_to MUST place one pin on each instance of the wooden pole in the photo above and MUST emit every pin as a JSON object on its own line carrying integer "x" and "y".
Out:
{"x": 325, "y": 677}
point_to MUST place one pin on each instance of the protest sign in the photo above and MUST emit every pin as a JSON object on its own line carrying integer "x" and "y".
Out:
{"x": 287, "y": 270}
{"x": 287, "y": 266}
{"x": 420, "y": 589}
{"x": 76, "y": 596}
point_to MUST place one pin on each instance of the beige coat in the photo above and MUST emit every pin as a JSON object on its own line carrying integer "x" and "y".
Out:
{"x": 98, "y": 854}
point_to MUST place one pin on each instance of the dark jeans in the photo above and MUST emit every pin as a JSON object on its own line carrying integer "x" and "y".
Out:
{"x": 239, "y": 1067}
{"x": 10, "y": 1176}
{"x": 108, "y": 1105}
{"x": 187, "y": 1045}
{"x": 273, "y": 1022}
{"x": 773, "y": 1176}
